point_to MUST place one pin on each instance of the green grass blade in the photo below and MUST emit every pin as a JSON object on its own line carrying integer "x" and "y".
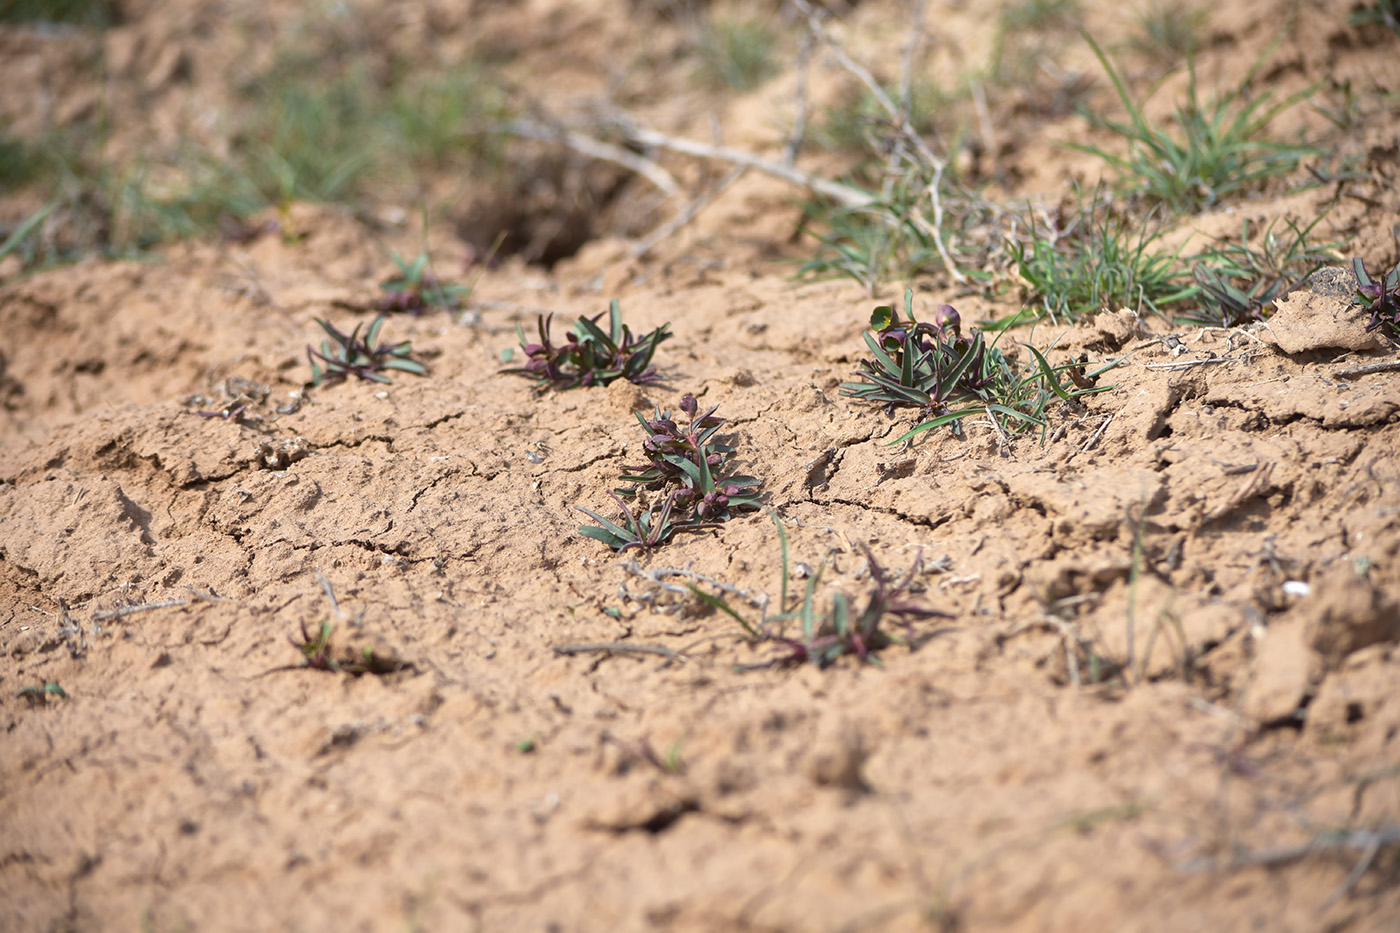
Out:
{"x": 609, "y": 526}
{"x": 588, "y": 332}
{"x": 783, "y": 546}
{"x": 13, "y": 241}
{"x": 603, "y": 535}
{"x": 1049, "y": 374}
{"x": 615, "y": 321}
{"x": 932, "y": 423}
{"x": 724, "y": 607}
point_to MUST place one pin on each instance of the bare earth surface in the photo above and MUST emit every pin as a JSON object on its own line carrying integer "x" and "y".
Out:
{"x": 1228, "y": 516}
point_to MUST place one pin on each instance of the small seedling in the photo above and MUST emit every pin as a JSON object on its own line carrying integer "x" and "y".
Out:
{"x": 685, "y": 479}
{"x": 929, "y": 366}
{"x": 590, "y": 356}
{"x": 346, "y": 355}
{"x": 824, "y": 636}
{"x": 315, "y": 648}
{"x": 38, "y": 694}
{"x": 1381, "y": 298}
{"x": 689, "y": 460}
{"x": 948, "y": 377}
{"x": 416, "y": 289}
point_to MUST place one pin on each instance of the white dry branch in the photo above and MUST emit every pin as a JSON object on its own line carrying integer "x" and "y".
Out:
{"x": 621, "y": 125}
{"x": 597, "y": 149}
{"x": 936, "y": 166}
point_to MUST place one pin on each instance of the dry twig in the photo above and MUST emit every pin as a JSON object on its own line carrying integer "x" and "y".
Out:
{"x": 936, "y": 165}
{"x": 688, "y": 213}
{"x": 845, "y": 195}
{"x": 1390, "y": 366}
{"x": 106, "y": 614}
{"x": 597, "y": 149}
{"x": 619, "y": 647}
{"x": 657, "y": 578}
{"x": 1368, "y": 842}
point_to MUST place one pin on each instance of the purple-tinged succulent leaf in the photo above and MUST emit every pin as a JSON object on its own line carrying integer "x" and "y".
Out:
{"x": 1381, "y": 298}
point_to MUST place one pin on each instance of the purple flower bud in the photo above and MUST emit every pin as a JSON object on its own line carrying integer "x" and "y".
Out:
{"x": 689, "y": 405}
{"x": 947, "y": 318}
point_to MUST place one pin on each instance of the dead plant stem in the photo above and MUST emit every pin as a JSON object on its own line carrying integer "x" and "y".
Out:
{"x": 597, "y": 149}
{"x": 936, "y": 165}
{"x": 619, "y": 647}
{"x": 845, "y": 195}
{"x": 1390, "y": 366}
{"x": 106, "y": 614}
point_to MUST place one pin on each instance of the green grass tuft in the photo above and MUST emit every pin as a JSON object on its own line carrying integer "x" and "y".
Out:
{"x": 1209, "y": 153}
{"x": 737, "y": 53}
{"x": 1100, "y": 261}
{"x": 92, "y": 14}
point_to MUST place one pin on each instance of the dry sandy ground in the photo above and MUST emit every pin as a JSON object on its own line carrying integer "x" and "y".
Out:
{"x": 1228, "y": 516}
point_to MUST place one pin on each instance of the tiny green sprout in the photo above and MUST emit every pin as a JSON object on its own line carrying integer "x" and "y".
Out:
{"x": 316, "y": 652}
{"x": 345, "y": 355}
{"x": 672, "y": 764}
{"x": 530, "y": 745}
{"x": 38, "y": 694}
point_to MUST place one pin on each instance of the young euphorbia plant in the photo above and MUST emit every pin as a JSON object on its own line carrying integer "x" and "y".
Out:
{"x": 689, "y": 460}
{"x": 683, "y": 486}
{"x": 929, "y": 366}
{"x": 589, "y": 356}
{"x": 949, "y": 376}
{"x": 824, "y": 635}
{"x": 346, "y": 355}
